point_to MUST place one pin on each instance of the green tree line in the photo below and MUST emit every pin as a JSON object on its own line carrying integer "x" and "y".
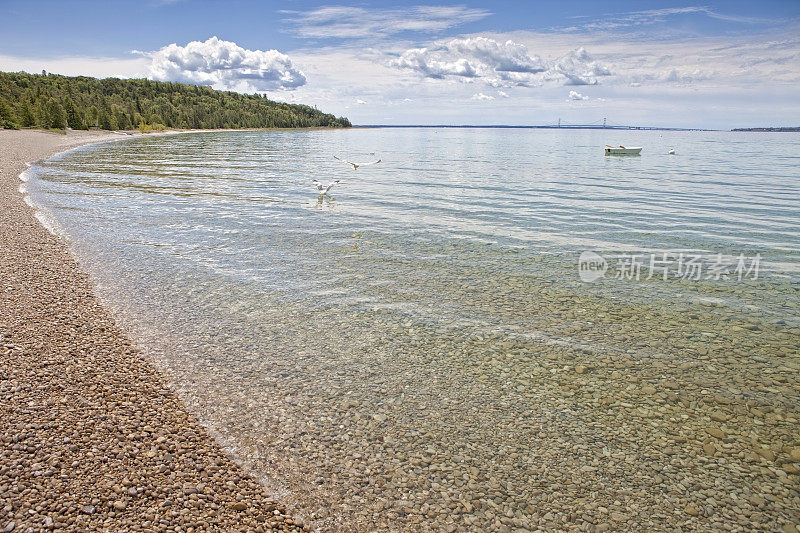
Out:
{"x": 54, "y": 101}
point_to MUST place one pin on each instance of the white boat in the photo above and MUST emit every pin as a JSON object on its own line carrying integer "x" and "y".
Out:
{"x": 622, "y": 150}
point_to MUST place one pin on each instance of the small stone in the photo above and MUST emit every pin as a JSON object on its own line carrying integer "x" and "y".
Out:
{"x": 709, "y": 448}
{"x": 379, "y": 417}
{"x": 766, "y": 453}
{"x": 716, "y": 432}
{"x": 791, "y": 469}
{"x": 580, "y": 369}
{"x": 88, "y": 509}
{"x": 692, "y": 510}
{"x": 719, "y": 416}
{"x": 10, "y": 527}
{"x": 239, "y": 506}
{"x": 795, "y": 455}
{"x": 120, "y": 505}
{"x": 789, "y": 528}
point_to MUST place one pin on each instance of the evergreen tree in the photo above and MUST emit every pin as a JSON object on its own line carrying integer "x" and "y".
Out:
{"x": 54, "y": 115}
{"x": 74, "y": 120}
{"x": 106, "y": 120}
{"x": 92, "y": 116}
{"x": 113, "y": 103}
{"x": 6, "y": 115}
{"x": 26, "y": 117}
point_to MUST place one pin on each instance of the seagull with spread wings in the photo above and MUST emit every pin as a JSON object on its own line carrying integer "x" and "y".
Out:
{"x": 356, "y": 165}
{"x": 323, "y": 189}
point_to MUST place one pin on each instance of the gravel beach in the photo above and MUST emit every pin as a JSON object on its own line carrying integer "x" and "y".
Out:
{"x": 91, "y": 437}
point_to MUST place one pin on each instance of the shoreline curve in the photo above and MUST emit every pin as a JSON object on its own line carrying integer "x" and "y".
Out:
{"x": 92, "y": 436}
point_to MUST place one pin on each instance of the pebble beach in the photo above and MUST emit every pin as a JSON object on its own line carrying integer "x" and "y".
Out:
{"x": 91, "y": 436}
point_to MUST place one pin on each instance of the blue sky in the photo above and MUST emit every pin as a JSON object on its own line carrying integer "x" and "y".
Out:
{"x": 711, "y": 64}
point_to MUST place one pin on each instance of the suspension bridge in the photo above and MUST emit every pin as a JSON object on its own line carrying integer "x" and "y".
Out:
{"x": 558, "y": 124}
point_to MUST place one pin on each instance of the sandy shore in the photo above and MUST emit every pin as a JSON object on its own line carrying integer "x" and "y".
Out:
{"x": 91, "y": 438}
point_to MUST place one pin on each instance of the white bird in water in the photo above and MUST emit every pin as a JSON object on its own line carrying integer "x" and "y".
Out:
{"x": 356, "y": 165}
{"x": 323, "y": 189}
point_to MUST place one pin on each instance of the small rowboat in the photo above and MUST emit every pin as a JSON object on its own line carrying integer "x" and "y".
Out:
{"x": 621, "y": 150}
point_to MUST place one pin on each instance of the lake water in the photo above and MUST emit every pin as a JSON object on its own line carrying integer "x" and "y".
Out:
{"x": 418, "y": 350}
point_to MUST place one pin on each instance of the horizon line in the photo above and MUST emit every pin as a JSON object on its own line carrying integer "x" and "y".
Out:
{"x": 537, "y": 126}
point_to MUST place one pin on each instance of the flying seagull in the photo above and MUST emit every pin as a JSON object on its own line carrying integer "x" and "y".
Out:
{"x": 323, "y": 189}
{"x": 356, "y": 165}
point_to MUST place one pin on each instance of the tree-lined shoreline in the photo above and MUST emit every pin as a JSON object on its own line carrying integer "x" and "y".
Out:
{"x": 57, "y": 102}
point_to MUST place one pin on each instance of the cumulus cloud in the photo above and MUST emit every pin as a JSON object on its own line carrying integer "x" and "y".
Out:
{"x": 675, "y": 76}
{"x": 575, "y": 95}
{"x": 481, "y": 96}
{"x": 683, "y": 76}
{"x": 502, "y": 94}
{"x": 345, "y": 22}
{"x": 499, "y": 64}
{"x": 225, "y": 65}
{"x": 432, "y": 65}
{"x": 578, "y": 68}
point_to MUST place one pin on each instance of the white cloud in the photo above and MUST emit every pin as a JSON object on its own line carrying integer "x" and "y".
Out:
{"x": 347, "y": 22}
{"x": 578, "y": 68}
{"x": 499, "y": 64}
{"x": 225, "y": 65}
{"x": 711, "y": 75}
{"x": 575, "y": 95}
{"x": 651, "y": 20}
{"x": 502, "y": 94}
{"x": 360, "y": 101}
{"x": 481, "y": 96}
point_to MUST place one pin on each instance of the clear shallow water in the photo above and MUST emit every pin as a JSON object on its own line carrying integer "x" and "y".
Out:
{"x": 408, "y": 352}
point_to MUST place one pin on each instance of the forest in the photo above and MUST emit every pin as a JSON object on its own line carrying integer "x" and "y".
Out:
{"x": 58, "y": 102}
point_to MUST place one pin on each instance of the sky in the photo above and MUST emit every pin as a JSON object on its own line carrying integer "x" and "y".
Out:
{"x": 672, "y": 64}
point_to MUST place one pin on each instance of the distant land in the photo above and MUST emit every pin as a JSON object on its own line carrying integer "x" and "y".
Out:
{"x": 56, "y": 102}
{"x": 530, "y": 127}
{"x": 781, "y": 128}
{"x": 569, "y": 127}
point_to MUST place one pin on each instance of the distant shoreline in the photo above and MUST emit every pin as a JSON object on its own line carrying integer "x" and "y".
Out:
{"x": 574, "y": 127}
{"x": 539, "y": 127}
{"x": 781, "y": 129}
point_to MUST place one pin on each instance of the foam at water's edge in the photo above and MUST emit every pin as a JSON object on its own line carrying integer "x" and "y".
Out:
{"x": 23, "y": 176}
{"x": 45, "y": 218}
{"x": 49, "y": 223}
